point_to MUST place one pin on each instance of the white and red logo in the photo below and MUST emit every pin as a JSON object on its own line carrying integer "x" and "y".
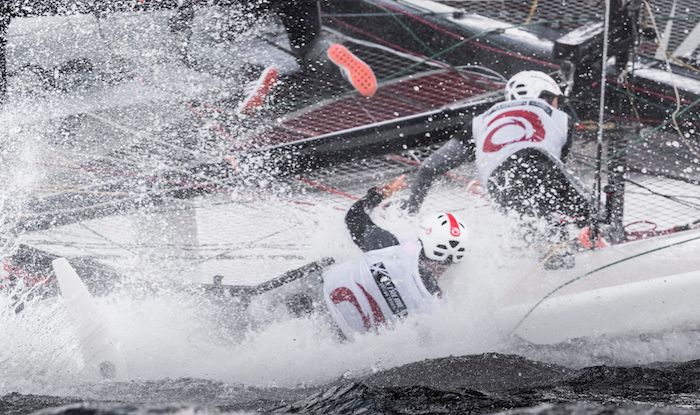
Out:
{"x": 454, "y": 225}
{"x": 344, "y": 294}
{"x": 514, "y": 126}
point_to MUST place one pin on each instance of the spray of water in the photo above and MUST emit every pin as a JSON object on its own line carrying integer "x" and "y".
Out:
{"x": 165, "y": 332}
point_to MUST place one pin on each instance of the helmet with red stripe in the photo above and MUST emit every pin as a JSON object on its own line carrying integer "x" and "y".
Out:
{"x": 531, "y": 84}
{"x": 444, "y": 237}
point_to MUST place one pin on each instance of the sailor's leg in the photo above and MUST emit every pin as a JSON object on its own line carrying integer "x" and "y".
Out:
{"x": 450, "y": 155}
{"x": 317, "y": 55}
{"x": 532, "y": 183}
{"x": 302, "y": 21}
{"x": 536, "y": 187}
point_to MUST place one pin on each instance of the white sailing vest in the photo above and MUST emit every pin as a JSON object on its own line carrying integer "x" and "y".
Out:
{"x": 379, "y": 287}
{"x": 511, "y": 126}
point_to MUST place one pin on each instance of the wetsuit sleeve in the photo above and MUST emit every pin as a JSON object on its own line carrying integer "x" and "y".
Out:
{"x": 453, "y": 153}
{"x": 364, "y": 232}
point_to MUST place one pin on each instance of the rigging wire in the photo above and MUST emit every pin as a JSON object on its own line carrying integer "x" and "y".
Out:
{"x": 669, "y": 197}
{"x": 674, "y": 198}
{"x": 614, "y": 154}
{"x": 531, "y": 13}
{"x": 463, "y": 40}
{"x": 486, "y": 33}
{"x": 665, "y": 53}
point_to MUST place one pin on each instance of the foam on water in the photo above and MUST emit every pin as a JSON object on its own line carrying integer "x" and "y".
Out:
{"x": 170, "y": 334}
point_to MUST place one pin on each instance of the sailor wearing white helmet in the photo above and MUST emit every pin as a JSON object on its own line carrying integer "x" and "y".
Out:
{"x": 391, "y": 279}
{"x": 518, "y": 146}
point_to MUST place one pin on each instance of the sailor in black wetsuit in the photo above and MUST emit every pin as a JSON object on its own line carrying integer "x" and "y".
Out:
{"x": 518, "y": 146}
{"x": 315, "y": 55}
{"x": 391, "y": 279}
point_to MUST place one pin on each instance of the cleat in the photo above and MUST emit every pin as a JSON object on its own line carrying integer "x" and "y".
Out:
{"x": 354, "y": 69}
{"x": 259, "y": 93}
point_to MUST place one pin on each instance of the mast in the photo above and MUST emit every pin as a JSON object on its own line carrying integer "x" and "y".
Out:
{"x": 621, "y": 104}
{"x": 584, "y": 54}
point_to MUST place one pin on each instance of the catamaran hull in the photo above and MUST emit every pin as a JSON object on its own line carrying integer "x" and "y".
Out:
{"x": 640, "y": 287}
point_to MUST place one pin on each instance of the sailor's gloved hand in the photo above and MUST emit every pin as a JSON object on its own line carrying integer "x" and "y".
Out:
{"x": 393, "y": 186}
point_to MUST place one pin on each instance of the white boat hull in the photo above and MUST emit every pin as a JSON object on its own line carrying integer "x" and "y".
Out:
{"x": 640, "y": 287}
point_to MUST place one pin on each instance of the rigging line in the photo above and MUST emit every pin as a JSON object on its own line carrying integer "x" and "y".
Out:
{"x": 421, "y": 59}
{"x": 387, "y": 14}
{"x": 533, "y": 10}
{"x": 359, "y": 103}
{"x": 504, "y": 50}
{"x": 248, "y": 245}
{"x": 100, "y": 157}
{"x": 666, "y": 122}
{"x": 660, "y": 44}
{"x": 403, "y": 25}
{"x": 469, "y": 39}
{"x": 571, "y": 281}
{"x": 90, "y": 251}
{"x": 78, "y": 191}
{"x": 100, "y": 171}
{"x": 133, "y": 200}
{"x": 108, "y": 240}
{"x": 206, "y": 179}
{"x": 394, "y": 49}
{"x": 154, "y": 176}
{"x": 148, "y": 167}
{"x": 414, "y": 35}
{"x": 669, "y": 197}
{"x": 87, "y": 189}
{"x": 147, "y": 136}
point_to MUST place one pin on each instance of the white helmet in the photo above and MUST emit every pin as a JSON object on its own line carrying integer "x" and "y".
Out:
{"x": 530, "y": 84}
{"x": 443, "y": 236}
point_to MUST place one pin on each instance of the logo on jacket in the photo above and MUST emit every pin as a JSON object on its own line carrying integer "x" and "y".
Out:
{"x": 344, "y": 294}
{"x": 514, "y": 126}
{"x": 388, "y": 289}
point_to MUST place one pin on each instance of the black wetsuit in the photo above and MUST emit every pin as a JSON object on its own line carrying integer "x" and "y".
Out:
{"x": 368, "y": 236}
{"x": 364, "y": 232}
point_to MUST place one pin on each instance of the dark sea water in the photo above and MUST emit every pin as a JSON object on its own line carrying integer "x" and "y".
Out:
{"x": 486, "y": 383}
